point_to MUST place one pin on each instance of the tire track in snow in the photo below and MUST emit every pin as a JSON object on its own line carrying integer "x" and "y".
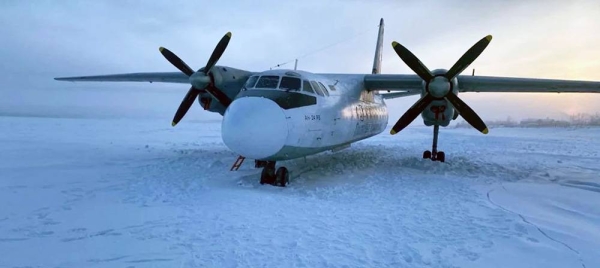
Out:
{"x": 534, "y": 225}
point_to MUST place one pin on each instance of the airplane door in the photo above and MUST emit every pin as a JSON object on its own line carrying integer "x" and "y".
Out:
{"x": 313, "y": 137}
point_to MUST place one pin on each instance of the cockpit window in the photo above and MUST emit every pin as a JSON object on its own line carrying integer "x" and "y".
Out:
{"x": 251, "y": 82}
{"x": 268, "y": 81}
{"x": 290, "y": 83}
{"x": 317, "y": 89}
{"x": 307, "y": 87}
{"x": 324, "y": 89}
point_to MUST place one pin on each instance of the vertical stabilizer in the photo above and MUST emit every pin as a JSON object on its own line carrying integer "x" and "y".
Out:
{"x": 378, "y": 49}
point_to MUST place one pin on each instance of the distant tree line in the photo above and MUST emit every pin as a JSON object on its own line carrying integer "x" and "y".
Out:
{"x": 577, "y": 120}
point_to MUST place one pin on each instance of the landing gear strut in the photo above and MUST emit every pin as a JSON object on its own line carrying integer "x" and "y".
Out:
{"x": 281, "y": 177}
{"x": 434, "y": 155}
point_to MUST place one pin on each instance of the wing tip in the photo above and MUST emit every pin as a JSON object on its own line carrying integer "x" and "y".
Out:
{"x": 485, "y": 131}
{"x": 393, "y": 132}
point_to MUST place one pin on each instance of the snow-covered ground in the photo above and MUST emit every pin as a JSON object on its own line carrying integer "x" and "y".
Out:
{"x": 139, "y": 193}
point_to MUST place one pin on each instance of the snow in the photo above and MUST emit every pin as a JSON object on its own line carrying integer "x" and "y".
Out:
{"x": 139, "y": 193}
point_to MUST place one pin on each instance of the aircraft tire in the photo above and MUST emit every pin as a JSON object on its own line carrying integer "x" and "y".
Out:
{"x": 441, "y": 156}
{"x": 267, "y": 176}
{"x": 282, "y": 177}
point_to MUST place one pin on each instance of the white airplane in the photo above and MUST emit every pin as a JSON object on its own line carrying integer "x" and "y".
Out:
{"x": 279, "y": 114}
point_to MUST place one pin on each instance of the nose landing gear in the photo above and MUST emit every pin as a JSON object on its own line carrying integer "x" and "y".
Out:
{"x": 281, "y": 177}
{"x": 434, "y": 155}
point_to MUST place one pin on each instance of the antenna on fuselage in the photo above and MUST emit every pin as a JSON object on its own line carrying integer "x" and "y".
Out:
{"x": 296, "y": 65}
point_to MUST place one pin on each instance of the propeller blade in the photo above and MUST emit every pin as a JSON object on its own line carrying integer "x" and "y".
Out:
{"x": 468, "y": 57}
{"x": 412, "y": 113}
{"x": 216, "y": 55}
{"x": 201, "y": 79}
{"x": 219, "y": 95}
{"x": 412, "y": 61}
{"x": 185, "y": 105}
{"x": 467, "y": 113}
{"x": 176, "y": 61}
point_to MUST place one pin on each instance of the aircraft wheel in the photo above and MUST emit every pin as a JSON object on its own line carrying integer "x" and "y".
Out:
{"x": 267, "y": 175}
{"x": 441, "y": 156}
{"x": 282, "y": 177}
{"x": 427, "y": 155}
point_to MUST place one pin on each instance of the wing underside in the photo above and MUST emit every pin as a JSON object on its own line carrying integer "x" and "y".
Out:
{"x": 412, "y": 83}
{"x": 163, "y": 77}
{"x": 400, "y": 94}
{"x": 511, "y": 84}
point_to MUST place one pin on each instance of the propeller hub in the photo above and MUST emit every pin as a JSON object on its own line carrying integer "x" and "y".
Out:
{"x": 199, "y": 80}
{"x": 439, "y": 86}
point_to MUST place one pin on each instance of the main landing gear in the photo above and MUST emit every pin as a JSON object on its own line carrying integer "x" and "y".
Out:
{"x": 281, "y": 177}
{"x": 434, "y": 155}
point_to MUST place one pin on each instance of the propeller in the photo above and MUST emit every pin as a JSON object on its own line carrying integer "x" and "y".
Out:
{"x": 200, "y": 80}
{"x": 440, "y": 86}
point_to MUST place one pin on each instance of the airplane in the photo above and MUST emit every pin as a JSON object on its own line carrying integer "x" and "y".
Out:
{"x": 282, "y": 114}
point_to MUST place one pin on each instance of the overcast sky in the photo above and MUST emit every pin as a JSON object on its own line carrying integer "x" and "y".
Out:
{"x": 46, "y": 39}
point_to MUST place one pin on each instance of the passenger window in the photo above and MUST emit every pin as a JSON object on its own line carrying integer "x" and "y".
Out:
{"x": 317, "y": 89}
{"x": 290, "y": 83}
{"x": 251, "y": 82}
{"x": 269, "y": 81}
{"x": 307, "y": 87}
{"x": 324, "y": 89}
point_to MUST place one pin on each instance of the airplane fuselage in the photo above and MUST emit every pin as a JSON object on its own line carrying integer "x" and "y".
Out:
{"x": 271, "y": 123}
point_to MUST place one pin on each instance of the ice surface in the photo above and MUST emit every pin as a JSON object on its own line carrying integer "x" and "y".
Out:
{"x": 138, "y": 193}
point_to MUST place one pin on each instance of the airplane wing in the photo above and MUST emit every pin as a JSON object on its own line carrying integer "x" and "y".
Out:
{"x": 408, "y": 85}
{"x": 411, "y": 83}
{"x": 510, "y": 84}
{"x": 400, "y": 94}
{"x": 395, "y": 82}
{"x": 165, "y": 77}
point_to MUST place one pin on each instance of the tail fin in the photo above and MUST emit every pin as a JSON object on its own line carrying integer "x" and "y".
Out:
{"x": 378, "y": 49}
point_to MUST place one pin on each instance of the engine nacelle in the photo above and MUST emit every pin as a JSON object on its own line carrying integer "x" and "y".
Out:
{"x": 440, "y": 111}
{"x": 227, "y": 79}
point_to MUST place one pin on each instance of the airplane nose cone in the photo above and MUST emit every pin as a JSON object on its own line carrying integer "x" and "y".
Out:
{"x": 254, "y": 127}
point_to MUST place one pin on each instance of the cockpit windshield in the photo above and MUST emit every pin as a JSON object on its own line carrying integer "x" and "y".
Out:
{"x": 251, "y": 82}
{"x": 307, "y": 87}
{"x": 268, "y": 81}
{"x": 290, "y": 83}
